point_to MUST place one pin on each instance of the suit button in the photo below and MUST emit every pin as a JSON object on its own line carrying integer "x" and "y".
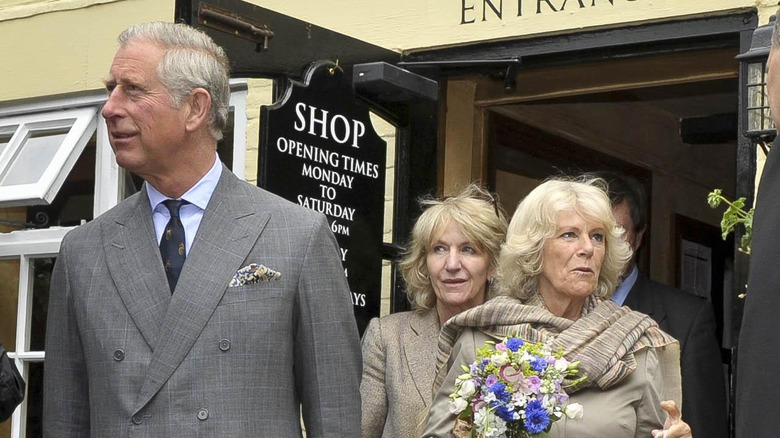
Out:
{"x": 119, "y": 355}
{"x": 138, "y": 419}
{"x": 203, "y": 414}
{"x": 224, "y": 344}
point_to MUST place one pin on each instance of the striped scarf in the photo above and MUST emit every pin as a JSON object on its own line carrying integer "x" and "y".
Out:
{"x": 604, "y": 339}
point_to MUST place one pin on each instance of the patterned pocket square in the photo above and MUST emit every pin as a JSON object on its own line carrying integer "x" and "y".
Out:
{"x": 252, "y": 274}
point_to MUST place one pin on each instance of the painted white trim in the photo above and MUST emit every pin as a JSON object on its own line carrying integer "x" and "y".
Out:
{"x": 39, "y": 243}
{"x": 107, "y": 174}
{"x": 238, "y": 95}
{"x": 45, "y": 189}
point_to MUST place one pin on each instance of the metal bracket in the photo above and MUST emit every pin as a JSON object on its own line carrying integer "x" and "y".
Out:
{"x": 234, "y": 24}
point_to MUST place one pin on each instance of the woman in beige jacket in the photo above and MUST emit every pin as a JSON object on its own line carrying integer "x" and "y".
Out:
{"x": 448, "y": 267}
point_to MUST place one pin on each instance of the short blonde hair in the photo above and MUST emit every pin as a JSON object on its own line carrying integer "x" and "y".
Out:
{"x": 481, "y": 220}
{"x": 536, "y": 220}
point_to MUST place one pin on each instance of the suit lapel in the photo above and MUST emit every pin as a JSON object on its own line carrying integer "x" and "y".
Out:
{"x": 134, "y": 263}
{"x": 420, "y": 352}
{"x": 228, "y": 231}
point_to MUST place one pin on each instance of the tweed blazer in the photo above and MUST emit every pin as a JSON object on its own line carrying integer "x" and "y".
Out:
{"x": 399, "y": 361}
{"x": 126, "y": 358}
{"x": 690, "y": 320}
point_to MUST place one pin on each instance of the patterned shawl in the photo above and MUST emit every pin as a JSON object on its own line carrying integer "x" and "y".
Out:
{"x": 604, "y": 339}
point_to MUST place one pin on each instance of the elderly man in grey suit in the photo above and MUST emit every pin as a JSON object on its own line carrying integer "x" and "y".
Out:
{"x": 202, "y": 305}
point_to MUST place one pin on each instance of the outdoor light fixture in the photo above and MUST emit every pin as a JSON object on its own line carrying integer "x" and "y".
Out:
{"x": 759, "y": 126}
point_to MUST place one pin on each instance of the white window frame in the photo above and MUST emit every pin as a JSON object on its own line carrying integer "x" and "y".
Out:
{"x": 46, "y": 187}
{"x": 28, "y": 245}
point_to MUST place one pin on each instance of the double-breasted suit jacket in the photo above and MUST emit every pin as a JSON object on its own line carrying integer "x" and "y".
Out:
{"x": 399, "y": 364}
{"x": 125, "y": 358}
{"x": 691, "y": 321}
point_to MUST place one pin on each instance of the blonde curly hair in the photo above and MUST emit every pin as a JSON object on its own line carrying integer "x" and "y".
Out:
{"x": 482, "y": 221}
{"x": 535, "y": 221}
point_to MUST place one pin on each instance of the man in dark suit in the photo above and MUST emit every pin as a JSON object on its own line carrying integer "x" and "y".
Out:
{"x": 688, "y": 318}
{"x": 757, "y": 396}
{"x": 202, "y": 305}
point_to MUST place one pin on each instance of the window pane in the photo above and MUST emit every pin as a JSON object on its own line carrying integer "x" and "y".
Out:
{"x": 37, "y": 152}
{"x": 754, "y": 119}
{"x": 755, "y": 97}
{"x": 768, "y": 124}
{"x": 9, "y": 301}
{"x": 42, "y": 269}
{"x": 754, "y": 73}
{"x": 6, "y": 132}
{"x": 35, "y": 400}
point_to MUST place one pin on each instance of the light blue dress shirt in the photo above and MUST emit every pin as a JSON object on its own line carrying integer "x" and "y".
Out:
{"x": 625, "y": 286}
{"x": 190, "y": 214}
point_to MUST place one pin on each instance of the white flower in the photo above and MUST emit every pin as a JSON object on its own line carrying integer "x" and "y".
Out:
{"x": 457, "y": 405}
{"x": 574, "y": 411}
{"x": 500, "y": 359}
{"x": 561, "y": 364}
{"x": 467, "y": 389}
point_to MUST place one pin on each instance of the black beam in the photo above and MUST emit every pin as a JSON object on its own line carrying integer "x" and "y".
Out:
{"x": 716, "y": 128}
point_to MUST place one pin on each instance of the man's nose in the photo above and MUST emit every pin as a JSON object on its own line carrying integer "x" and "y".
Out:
{"x": 111, "y": 107}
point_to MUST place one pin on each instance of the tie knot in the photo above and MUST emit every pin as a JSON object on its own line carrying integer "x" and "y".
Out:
{"x": 173, "y": 206}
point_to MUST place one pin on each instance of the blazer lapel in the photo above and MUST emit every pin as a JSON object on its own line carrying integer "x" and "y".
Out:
{"x": 228, "y": 231}
{"x": 420, "y": 351}
{"x": 134, "y": 263}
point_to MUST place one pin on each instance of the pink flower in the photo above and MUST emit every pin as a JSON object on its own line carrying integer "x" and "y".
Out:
{"x": 510, "y": 374}
{"x": 501, "y": 347}
{"x": 533, "y": 383}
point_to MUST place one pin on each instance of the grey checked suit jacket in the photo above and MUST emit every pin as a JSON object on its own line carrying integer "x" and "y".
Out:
{"x": 399, "y": 364}
{"x": 124, "y": 358}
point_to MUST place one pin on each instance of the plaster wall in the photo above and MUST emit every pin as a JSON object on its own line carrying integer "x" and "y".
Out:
{"x": 55, "y": 50}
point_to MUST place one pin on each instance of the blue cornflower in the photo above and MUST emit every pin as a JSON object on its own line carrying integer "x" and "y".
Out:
{"x": 505, "y": 413}
{"x": 536, "y": 418}
{"x": 538, "y": 364}
{"x": 514, "y": 344}
{"x": 499, "y": 390}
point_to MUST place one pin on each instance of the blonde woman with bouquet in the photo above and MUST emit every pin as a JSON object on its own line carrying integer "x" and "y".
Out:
{"x": 554, "y": 355}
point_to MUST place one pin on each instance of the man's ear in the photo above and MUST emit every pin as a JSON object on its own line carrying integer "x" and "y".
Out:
{"x": 200, "y": 104}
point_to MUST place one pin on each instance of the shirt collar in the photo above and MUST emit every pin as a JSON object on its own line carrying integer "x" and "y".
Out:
{"x": 198, "y": 195}
{"x": 625, "y": 286}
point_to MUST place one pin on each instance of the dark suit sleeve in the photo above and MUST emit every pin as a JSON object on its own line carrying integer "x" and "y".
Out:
{"x": 11, "y": 386}
{"x": 327, "y": 345}
{"x": 372, "y": 387}
{"x": 65, "y": 389}
{"x": 704, "y": 394}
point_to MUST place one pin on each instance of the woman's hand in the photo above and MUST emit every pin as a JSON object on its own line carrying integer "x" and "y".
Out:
{"x": 674, "y": 426}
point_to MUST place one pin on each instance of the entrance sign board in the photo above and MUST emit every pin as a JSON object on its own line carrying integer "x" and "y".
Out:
{"x": 318, "y": 149}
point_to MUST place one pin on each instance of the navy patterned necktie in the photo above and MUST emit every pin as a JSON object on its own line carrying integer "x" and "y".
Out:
{"x": 172, "y": 244}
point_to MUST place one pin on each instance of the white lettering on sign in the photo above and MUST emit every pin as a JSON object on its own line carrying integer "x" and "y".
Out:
{"x": 317, "y": 122}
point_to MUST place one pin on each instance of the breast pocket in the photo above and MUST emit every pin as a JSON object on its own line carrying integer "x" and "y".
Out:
{"x": 252, "y": 292}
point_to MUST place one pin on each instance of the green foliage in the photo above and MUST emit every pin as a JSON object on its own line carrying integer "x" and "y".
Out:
{"x": 734, "y": 215}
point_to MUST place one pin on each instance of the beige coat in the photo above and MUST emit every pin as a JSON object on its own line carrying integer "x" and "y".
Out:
{"x": 399, "y": 361}
{"x": 629, "y": 409}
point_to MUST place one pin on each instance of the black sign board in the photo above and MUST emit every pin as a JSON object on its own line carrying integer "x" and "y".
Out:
{"x": 319, "y": 149}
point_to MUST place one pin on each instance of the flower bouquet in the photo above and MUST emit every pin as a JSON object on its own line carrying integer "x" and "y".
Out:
{"x": 513, "y": 389}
